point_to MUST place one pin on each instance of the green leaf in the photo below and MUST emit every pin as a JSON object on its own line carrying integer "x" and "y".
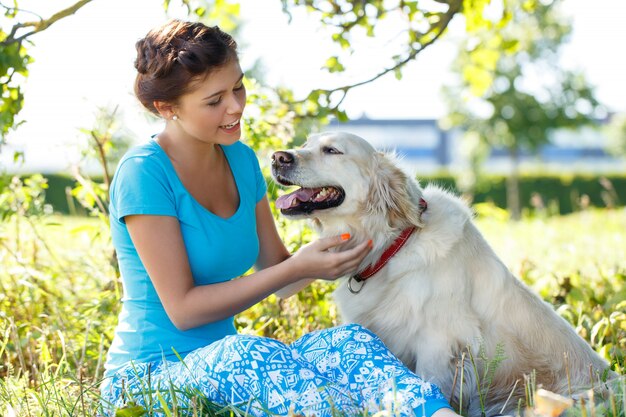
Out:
{"x": 474, "y": 14}
{"x": 341, "y": 40}
{"x": 333, "y": 65}
{"x": 576, "y": 295}
{"x": 510, "y": 46}
{"x": 130, "y": 411}
{"x": 341, "y": 116}
{"x": 163, "y": 403}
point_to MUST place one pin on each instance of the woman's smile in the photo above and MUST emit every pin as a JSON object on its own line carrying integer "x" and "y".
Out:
{"x": 232, "y": 127}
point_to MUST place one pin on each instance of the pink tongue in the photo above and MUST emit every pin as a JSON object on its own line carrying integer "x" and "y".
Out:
{"x": 303, "y": 194}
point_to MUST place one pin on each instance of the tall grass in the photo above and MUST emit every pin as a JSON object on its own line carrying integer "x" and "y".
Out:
{"x": 59, "y": 300}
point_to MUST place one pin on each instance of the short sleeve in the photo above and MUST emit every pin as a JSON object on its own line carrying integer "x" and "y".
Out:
{"x": 261, "y": 185}
{"x": 141, "y": 186}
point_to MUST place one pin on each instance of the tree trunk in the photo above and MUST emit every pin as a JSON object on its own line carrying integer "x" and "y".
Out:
{"x": 512, "y": 186}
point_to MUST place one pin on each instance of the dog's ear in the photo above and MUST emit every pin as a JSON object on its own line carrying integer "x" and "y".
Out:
{"x": 393, "y": 194}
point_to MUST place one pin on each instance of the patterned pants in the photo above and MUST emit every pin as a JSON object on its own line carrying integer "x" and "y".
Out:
{"x": 342, "y": 371}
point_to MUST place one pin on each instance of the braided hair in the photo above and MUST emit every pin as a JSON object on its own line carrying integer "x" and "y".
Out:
{"x": 172, "y": 56}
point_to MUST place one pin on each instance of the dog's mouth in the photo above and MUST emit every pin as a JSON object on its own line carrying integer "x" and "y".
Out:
{"x": 306, "y": 200}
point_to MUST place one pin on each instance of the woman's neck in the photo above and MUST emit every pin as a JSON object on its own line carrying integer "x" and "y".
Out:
{"x": 188, "y": 152}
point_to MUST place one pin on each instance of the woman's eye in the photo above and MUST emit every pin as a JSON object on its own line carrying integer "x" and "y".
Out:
{"x": 330, "y": 150}
{"x": 215, "y": 103}
{"x": 238, "y": 87}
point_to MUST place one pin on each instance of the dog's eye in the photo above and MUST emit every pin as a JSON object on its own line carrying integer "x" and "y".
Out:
{"x": 331, "y": 151}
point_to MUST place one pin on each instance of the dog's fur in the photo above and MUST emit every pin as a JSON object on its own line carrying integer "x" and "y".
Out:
{"x": 445, "y": 295}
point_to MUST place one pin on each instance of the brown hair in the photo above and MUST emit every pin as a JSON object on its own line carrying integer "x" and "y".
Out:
{"x": 171, "y": 56}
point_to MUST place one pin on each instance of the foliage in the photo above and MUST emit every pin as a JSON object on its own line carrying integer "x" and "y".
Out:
{"x": 16, "y": 38}
{"x": 224, "y": 13}
{"x": 499, "y": 105}
{"x": 59, "y": 297}
{"x": 419, "y": 24}
{"x": 13, "y": 65}
{"x": 106, "y": 143}
{"x": 550, "y": 194}
{"x": 14, "y": 57}
{"x": 24, "y": 198}
{"x": 57, "y": 306}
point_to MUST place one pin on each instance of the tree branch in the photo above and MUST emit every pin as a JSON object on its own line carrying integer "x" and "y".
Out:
{"x": 438, "y": 30}
{"x": 42, "y": 24}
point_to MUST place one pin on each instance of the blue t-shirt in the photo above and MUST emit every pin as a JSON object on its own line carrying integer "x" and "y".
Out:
{"x": 218, "y": 249}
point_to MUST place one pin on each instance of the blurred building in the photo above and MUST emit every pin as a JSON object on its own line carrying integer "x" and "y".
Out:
{"x": 423, "y": 146}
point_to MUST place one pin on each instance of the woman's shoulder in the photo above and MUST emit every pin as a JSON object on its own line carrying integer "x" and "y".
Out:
{"x": 142, "y": 160}
{"x": 146, "y": 150}
{"x": 148, "y": 153}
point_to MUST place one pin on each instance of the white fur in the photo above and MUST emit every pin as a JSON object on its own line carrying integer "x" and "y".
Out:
{"x": 445, "y": 292}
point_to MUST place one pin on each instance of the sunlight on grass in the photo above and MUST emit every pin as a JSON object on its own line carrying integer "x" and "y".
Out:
{"x": 59, "y": 298}
{"x": 583, "y": 242}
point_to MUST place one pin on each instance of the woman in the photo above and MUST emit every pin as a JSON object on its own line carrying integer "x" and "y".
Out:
{"x": 189, "y": 214}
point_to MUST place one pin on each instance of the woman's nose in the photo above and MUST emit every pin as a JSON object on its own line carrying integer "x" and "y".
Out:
{"x": 236, "y": 104}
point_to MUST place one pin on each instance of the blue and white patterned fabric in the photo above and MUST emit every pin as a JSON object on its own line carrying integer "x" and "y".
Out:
{"x": 342, "y": 371}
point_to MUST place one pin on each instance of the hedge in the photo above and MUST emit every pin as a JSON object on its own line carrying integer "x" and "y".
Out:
{"x": 561, "y": 194}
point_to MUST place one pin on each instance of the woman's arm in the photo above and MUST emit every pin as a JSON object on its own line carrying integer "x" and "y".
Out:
{"x": 272, "y": 249}
{"x": 160, "y": 246}
{"x": 445, "y": 412}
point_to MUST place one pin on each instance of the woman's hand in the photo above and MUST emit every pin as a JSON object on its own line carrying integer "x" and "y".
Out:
{"x": 316, "y": 261}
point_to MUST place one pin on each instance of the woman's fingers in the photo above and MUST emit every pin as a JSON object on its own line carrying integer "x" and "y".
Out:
{"x": 353, "y": 257}
{"x": 356, "y": 253}
{"x": 347, "y": 261}
{"x": 316, "y": 261}
{"x": 332, "y": 241}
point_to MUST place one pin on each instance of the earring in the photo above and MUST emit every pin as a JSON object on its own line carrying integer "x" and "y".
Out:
{"x": 174, "y": 117}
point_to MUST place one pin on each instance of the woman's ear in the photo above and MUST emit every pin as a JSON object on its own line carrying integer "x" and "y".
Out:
{"x": 165, "y": 109}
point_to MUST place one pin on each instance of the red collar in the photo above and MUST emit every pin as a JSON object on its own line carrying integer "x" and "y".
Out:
{"x": 387, "y": 254}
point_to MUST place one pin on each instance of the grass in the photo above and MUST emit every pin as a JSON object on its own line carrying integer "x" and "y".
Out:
{"x": 59, "y": 295}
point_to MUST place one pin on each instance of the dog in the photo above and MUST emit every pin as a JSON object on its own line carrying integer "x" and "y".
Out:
{"x": 439, "y": 296}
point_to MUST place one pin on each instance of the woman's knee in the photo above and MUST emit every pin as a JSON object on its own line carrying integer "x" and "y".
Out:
{"x": 356, "y": 329}
{"x": 354, "y": 332}
{"x": 347, "y": 338}
{"x": 236, "y": 351}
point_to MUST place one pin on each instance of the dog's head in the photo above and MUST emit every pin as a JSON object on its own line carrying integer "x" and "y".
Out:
{"x": 344, "y": 181}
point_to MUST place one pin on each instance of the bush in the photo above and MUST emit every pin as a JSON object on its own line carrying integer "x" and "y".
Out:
{"x": 558, "y": 194}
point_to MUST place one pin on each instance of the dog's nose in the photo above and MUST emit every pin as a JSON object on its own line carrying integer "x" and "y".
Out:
{"x": 282, "y": 158}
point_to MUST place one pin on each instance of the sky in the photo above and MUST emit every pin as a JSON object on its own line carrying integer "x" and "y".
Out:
{"x": 86, "y": 61}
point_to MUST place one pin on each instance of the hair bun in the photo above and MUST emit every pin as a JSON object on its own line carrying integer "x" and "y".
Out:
{"x": 154, "y": 60}
{"x": 170, "y": 56}
{"x": 144, "y": 56}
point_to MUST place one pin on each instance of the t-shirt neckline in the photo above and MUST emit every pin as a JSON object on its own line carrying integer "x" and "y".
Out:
{"x": 161, "y": 152}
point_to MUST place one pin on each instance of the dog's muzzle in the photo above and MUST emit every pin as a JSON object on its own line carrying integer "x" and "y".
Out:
{"x": 282, "y": 159}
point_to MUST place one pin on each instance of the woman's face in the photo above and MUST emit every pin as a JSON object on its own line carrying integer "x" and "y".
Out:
{"x": 212, "y": 111}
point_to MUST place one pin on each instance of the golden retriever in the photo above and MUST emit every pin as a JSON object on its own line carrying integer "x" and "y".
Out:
{"x": 444, "y": 304}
